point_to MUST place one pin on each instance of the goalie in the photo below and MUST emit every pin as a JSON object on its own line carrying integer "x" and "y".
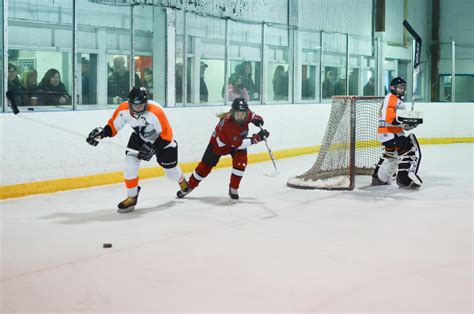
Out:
{"x": 152, "y": 136}
{"x": 402, "y": 155}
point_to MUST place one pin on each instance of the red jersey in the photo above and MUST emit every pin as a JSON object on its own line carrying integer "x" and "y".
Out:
{"x": 229, "y": 135}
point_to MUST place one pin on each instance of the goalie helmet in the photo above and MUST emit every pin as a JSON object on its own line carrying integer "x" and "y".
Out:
{"x": 138, "y": 101}
{"x": 398, "y": 87}
{"x": 240, "y": 110}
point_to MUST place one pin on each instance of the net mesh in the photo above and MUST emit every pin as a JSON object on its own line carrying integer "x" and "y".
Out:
{"x": 348, "y": 149}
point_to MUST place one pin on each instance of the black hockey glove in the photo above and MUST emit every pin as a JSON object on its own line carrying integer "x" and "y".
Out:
{"x": 257, "y": 120}
{"x": 95, "y": 135}
{"x": 260, "y": 136}
{"x": 146, "y": 151}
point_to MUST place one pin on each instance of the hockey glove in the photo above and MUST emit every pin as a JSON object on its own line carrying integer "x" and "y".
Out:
{"x": 146, "y": 151}
{"x": 95, "y": 135}
{"x": 257, "y": 120}
{"x": 260, "y": 136}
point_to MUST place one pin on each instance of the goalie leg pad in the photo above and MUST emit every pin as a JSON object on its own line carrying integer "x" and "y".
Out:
{"x": 408, "y": 166}
{"x": 385, "y": 170}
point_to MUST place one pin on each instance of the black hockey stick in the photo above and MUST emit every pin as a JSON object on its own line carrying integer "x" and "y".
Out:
{"x": 416, "y": 59}
{"x": 12, "y": 100}
{"x": 276, "y": 172}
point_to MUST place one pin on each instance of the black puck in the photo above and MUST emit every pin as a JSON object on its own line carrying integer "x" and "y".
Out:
{"x": 107, "y": 245}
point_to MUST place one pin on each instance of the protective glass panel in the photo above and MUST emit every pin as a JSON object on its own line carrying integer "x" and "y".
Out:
{"x": 245, "y": 44}
{"x": 40, "y": 50}
{"x": 310, "y": 46}
{"x": 334, "y": 56}
{"x": 277, "y": 74}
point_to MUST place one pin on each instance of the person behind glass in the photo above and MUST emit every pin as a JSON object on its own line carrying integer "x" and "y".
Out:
{"x": 148, "y": 81}
{"x": 369, "y": 88}
{"x": 14, "y": 84}
{"x": 203, "y": 91}
{"x": 328, "y": 85}
{"x": 53, "y": 89}
{"x": 152, "y": 136}
{"x": 85, "y": 80}
{"x": 118, "y": 81}
{"x": 236, "y": 89}
{"x": 280, "y": 83}
{"x": 230, "y": 137}
{"x": 31, "y": 95}
{"x": 245, "y": 71}
{"x": 340, "y": 85}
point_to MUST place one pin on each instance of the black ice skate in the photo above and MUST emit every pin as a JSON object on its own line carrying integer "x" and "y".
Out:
{"x": 233, "y": 194}
{"x": 184, "y": 189}
{"x": 128, "y": 204}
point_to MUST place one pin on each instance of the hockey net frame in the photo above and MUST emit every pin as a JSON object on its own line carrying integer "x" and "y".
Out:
{"x": 345, "y": 152}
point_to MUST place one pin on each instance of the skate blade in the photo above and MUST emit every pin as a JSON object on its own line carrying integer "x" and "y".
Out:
{"x": 126, "y": 210}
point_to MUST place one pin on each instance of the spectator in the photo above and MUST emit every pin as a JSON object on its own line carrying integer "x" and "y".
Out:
{"x": 236, "y": 89}
{"x": 280, "y": 83}
{"x": 245, "y": 71}
{"x": 85, "y": 78}
{"x": 179, "y": 84}
{"x": 328, "y": 84}
{"x": 204, "y": 92}
{"x": 55, "y": 92}
{"x": 340, "y": 86}
{"x": 14, "y": 84}
{"x": 29, "y": 83}
{"x": 369, "y": 88}
{"x": 118, "y": 81}
{"x": 148, "y": 81}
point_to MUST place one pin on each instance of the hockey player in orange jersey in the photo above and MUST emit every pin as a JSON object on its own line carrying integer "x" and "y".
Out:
{"x": 152, "y": 136}
{"x": 402, "y": 154}
{"x": 230, "y": 137}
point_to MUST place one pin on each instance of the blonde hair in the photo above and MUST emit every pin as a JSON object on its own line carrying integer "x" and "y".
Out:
{"x": 222, "y": 115}
{"x": 25, "y": 78}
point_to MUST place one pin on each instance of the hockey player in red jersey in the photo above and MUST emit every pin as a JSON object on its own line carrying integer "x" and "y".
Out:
{"x": 402, "y": 154}
{"x": 229, "y": 137}
{"x": 152, "y": 136}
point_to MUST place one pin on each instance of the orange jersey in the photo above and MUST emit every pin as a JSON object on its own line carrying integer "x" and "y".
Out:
{"x": 149, "y": 126}
{"x": 387, "y": 115}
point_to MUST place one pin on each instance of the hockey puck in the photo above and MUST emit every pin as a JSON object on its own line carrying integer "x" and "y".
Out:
{"x": 107, "y": 245}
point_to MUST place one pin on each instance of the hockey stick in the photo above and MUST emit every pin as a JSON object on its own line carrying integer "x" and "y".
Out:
{"x": 16, "y": 111}
{"x": 416, "y": 59}
{"x": 276, "y": 172}
{"x": 12, "y": 100}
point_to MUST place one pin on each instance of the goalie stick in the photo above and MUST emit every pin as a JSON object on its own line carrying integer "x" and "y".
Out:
{"x": 416, "y": 59}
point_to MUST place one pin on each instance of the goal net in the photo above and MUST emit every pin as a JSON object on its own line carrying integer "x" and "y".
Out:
{"x": 350, "y": 146}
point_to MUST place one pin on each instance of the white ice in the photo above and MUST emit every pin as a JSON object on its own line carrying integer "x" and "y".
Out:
{"x": 379, "y": 249}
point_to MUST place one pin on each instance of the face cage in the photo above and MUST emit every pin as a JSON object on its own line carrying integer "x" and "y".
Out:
{"x": 134, "y": 113}
{"x": 243, "y": 119}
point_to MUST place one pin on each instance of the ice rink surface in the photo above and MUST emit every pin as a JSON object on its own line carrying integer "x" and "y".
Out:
{"x": 378, "y": 249}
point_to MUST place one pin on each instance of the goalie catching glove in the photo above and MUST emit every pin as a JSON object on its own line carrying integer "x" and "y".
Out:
{"x": 260, "y": 136}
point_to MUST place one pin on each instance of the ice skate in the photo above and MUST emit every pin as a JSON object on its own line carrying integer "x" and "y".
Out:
{"x": 184, "y": 189}
{"x": 128, "y": 204}
{"x": 233, "y": 194}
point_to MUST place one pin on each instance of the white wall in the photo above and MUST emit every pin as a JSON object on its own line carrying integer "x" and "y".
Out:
{"x": 39, "y": 146}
